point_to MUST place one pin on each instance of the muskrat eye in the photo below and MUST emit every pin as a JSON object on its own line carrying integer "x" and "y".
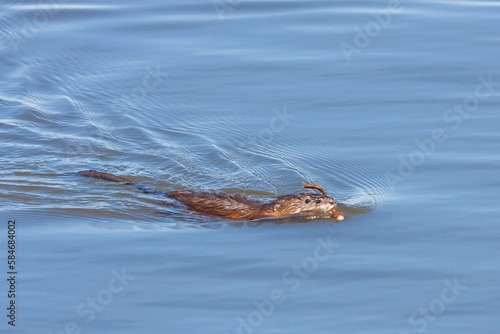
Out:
{"x": 318, "y": 201}
{"x": 308, "y": 200}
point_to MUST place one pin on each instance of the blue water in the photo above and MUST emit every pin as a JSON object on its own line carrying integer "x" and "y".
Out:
{"x": 393, "y": 107}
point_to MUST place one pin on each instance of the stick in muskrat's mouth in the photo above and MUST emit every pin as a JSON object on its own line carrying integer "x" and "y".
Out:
{"x": 315, "y": 186}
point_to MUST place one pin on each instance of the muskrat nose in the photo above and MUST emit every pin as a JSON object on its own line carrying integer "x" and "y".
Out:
{"x": 332, "y": 202}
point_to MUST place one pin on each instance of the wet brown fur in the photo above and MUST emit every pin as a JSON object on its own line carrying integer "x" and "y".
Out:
{"x": 241, "y": 207}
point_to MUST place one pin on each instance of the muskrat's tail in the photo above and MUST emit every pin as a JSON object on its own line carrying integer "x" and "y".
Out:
{"x": 103, "y": 176}
{"x": 114, "y": 178}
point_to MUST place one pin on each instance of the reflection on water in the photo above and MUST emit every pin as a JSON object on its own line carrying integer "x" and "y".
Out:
{"x": 258, "y": 98}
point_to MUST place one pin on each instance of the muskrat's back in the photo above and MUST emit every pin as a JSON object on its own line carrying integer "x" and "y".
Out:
{"x": 228, "y": 206}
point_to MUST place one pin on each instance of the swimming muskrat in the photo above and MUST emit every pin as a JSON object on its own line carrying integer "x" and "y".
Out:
{"x": 241, "y": 207}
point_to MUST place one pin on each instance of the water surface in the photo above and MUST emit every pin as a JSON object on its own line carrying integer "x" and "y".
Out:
{"x": 394, "y": 111}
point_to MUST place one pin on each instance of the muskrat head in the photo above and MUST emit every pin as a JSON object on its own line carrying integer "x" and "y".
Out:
{"x": 304, "y": 204}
